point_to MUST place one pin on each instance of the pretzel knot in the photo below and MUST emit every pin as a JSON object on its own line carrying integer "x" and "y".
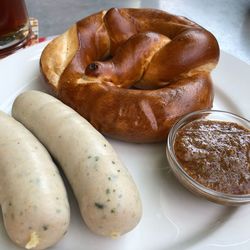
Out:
{"x": 132, "y": 73}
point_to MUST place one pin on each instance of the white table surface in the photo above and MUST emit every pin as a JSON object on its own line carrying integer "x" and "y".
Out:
{"x": 228, "y": 20}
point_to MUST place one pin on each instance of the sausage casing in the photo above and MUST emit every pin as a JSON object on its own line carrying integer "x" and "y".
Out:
{"x": 107, "y": 195}
{"x": 32, "y": 194}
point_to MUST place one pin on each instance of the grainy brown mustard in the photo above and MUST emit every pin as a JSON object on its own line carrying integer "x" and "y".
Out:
{"x": 216, "y": 154}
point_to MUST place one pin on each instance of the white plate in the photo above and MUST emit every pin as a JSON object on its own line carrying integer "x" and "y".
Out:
{"x": 173, "y": 218}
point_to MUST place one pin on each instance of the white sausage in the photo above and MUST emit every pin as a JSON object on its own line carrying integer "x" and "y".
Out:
{"x": 106, "y": 193}
{"x": 32, "y": 194}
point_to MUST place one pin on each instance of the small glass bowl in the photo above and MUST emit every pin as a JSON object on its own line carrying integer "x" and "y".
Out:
{"x": 188, "y": 181}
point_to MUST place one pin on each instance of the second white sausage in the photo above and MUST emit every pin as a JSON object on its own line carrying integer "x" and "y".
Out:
{"x": 106, "y": 193}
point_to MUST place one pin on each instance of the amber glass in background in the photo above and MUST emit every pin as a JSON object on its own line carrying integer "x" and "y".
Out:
{"x": 14, "y": 26}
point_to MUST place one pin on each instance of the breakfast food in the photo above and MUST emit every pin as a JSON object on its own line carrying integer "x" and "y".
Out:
{"x": 216, "y": 155}
{"x": 132, "y": 72}
{"x": 32, "y": 194}
{"x": 106, "y": 193}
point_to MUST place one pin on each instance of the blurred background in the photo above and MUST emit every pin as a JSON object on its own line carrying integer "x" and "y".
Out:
{"x": 228, "y": 20}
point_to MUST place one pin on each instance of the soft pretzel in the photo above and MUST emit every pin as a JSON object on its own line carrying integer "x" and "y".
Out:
{"x": 132, "y": 72}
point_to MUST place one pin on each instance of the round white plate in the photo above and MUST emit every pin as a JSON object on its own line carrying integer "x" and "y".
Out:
{"x": 173, "y": 218}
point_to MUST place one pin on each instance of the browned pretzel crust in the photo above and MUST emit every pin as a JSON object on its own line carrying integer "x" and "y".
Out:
{"x": 132, "y": 72}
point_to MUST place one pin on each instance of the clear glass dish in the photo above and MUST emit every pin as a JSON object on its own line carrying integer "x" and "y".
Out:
{"x": 183, "y": 177}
